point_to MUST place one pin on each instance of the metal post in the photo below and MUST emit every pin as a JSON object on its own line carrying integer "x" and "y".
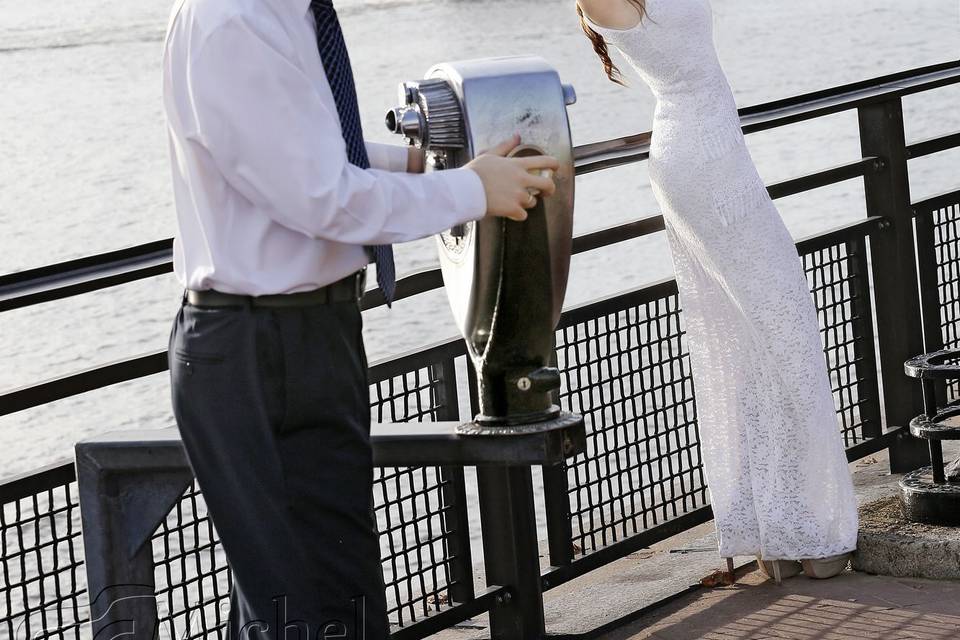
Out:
{"x": 123, "y": 499}
{"x": 927, "y": 267}
{"x": 934, "y": 445}
{"x": 556, "y": 503}
{"x": 455, "y": 518}
{"x": 864, "y": 351}
{"x": 511, "y": 553}
{"x": 894, "y": 269}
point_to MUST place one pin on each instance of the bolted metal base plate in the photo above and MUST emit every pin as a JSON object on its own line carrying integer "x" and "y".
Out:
{"x": 564, "y": 420}
{"x": 929, "y": 502}
{"x": 943, "y": 426}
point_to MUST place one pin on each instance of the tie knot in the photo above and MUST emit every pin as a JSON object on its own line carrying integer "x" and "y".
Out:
{"x": 317, "y": 5}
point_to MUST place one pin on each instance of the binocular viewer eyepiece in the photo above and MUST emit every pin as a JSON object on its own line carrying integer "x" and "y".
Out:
{"x": 505, "y": 280}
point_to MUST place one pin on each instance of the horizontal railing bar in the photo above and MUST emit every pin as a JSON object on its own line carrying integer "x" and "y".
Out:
{"x": 611, "y": 153}
{"x": 417, "y": 358}
{"x": 82, "y": 381}
{"x": 938, "y": 201}
{"x": 653, "y": 224}
{"x": 77, "y": 265}
{"x": 408, "y": 286}
{"x": 826, "y": 177}
{"x": 606, "y": 154}
{"x": 148, "y": 364}
{"x": 871, "y": 446}
{"x": 54, "y": 282}
{"x": 843, "y": 98}
{"x": 843, "y": 233}
{"x": 144, "y": 365}
{"x": 135, "y": 263}
{"x": 617, "y": 302}
{"x": 437, "y": 622}
{"x": 933, "y": 145}
{"x": 65, "y": 279}
{"x": 35, "y": 481}
{"x": 555, "y": 576}
{"x": 618, "y": 233}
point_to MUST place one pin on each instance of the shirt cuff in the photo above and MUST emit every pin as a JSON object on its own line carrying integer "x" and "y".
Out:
{"x": 388, "y": 157}
{"x": 469, "y": 193}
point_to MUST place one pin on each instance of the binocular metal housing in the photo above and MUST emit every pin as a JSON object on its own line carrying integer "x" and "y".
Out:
{"x": 505, "y": 280}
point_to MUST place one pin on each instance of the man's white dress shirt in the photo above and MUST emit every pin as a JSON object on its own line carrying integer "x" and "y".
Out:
{"x": 266, "y": 199}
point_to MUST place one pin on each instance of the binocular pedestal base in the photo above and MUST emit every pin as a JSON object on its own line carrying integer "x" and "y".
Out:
{"x": 563, "y": 421}
{"x": 928, "y": 501}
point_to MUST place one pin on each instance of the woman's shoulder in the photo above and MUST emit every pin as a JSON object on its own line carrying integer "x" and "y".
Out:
{"x": 611, "y": 14}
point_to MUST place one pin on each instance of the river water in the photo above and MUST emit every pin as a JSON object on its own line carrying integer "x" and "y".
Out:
{"x": 84, "y": 165}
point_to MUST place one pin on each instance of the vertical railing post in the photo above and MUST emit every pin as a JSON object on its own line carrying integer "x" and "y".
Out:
{"x": 455, "y": 518}
{"x": 511, "y": 550}
{"x": 511, "y": 553}
{"x": 864, "y": 351}
{"x": 927, "y": 266}
{"x": 894, "y": 268}
{"x": 556, "y": 503}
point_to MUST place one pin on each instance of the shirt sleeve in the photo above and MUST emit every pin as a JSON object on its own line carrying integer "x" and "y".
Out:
{"x": 388, "y": 157}
{"x": 276, "y": 142}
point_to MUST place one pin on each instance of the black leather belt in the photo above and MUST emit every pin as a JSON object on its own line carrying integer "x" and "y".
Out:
{"x": 349, "y": 289}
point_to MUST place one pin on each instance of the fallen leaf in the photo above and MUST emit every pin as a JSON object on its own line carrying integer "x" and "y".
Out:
{"x": 718, "y": 578}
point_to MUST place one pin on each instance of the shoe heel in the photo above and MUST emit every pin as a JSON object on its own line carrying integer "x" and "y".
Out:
{"x": 777, "y": 576}
{"x": 778, "y": 569}
{"x": 731, "y": 573}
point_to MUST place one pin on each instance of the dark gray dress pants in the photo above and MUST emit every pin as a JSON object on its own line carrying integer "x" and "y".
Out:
{"x": 273, "y": 408}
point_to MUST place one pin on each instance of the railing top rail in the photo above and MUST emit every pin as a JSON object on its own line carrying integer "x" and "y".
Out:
{"x": 64, "y": 279}
{"x": 29, "y": 483}
{"x": 769, "y": 115}
{"x": 100, "y": 376}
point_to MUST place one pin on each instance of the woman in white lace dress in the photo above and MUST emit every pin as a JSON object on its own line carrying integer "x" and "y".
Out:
{"x": 772, "y": 451}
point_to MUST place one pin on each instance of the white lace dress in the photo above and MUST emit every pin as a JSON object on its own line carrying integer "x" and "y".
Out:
{"x": 772, "y": 450}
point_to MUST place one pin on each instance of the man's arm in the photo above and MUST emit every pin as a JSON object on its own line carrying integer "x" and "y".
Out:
{"x": 274, "y": 140}
{"x": 392, "y": 157}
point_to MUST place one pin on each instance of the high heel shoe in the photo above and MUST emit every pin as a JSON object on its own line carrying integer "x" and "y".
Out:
{"x": 778, "y": 569}
{"x": 821, "y": 568}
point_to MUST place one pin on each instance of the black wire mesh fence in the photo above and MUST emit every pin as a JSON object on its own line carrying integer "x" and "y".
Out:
{"x": 626, "y": 368}
{"x": 191, "y": 573}
{"x": 413, "y": 507}
{"x": 627, "y": 371}
{"x": 43, "y": 586}
{"x": 839, "y": 283}
{"x": 416, "y": 506}
{"x": 946, "y": 246}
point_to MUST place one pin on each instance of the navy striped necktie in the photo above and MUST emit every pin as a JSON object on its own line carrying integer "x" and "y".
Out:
{"x": 336, "y": 64}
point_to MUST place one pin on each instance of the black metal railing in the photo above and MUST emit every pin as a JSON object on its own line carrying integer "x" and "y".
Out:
{"x": 625, "y": 368}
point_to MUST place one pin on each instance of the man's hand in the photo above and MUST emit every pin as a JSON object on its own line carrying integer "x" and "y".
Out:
{"x": 508, "y": 182}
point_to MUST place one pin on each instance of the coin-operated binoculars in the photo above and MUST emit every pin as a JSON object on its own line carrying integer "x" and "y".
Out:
{"x": 505, "y": 279}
